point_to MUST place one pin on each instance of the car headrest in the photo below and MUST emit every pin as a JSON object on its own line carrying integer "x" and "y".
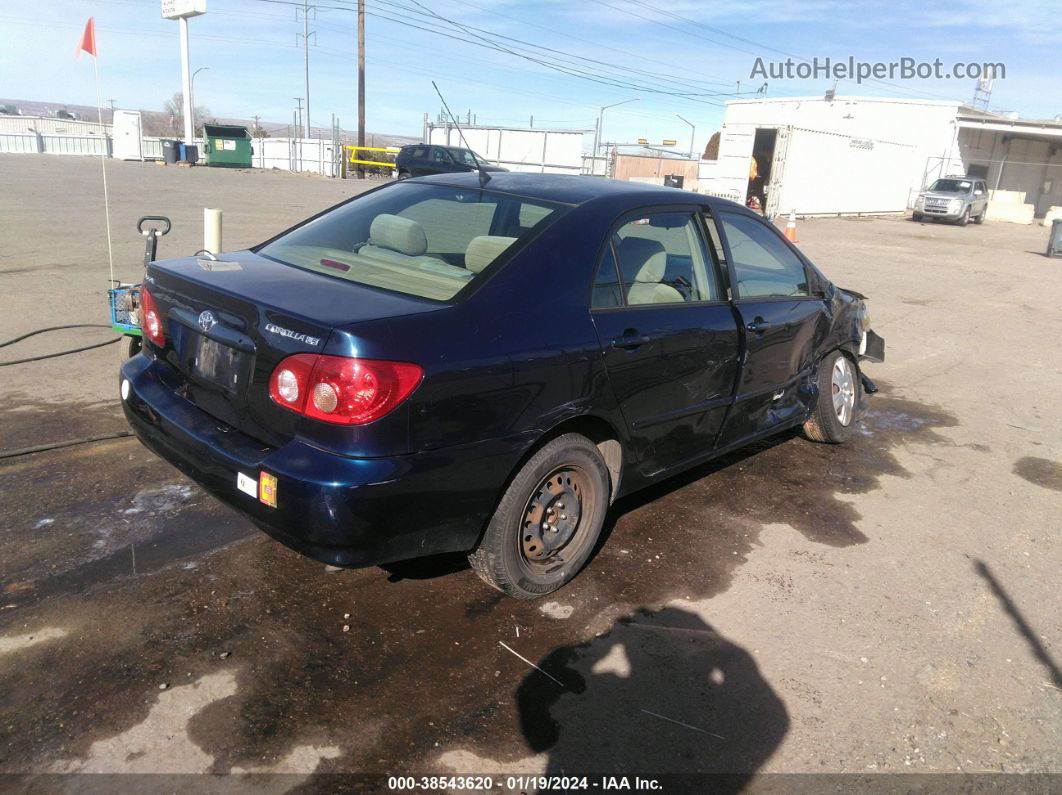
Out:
{"x": 484, "y": 249}
{"x": 642, "y": 260}
{"x": 398, "y": 234}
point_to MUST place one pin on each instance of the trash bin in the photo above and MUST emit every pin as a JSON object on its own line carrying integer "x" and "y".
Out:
{"x": 170, "y": 152}
{"x": 227, "y": 145}
{"x": 190, "y": 153}
{"x": 1054, "y": 240}
{"x": 180, "y": 151}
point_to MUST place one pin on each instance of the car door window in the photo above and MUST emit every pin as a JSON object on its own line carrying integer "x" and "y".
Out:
{"x": 440, "y": 156}
{"x": 764, "y": 265}
{"x": 662, "y": 260}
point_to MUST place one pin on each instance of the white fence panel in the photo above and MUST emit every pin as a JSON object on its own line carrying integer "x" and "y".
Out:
{"x": 21, "y": 143}
{"x": 74, "y": 145}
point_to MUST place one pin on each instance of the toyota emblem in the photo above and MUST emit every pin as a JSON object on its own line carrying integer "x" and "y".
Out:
{"x": 207, "y": 320}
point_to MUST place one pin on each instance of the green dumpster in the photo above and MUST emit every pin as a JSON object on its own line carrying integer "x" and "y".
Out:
{"x": 227, "y": 145}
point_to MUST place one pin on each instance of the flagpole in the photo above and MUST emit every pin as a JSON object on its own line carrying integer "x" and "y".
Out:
{"x": 103, "y": 163}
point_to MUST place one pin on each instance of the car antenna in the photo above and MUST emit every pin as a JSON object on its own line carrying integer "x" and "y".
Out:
{"x": 484, "y": 177}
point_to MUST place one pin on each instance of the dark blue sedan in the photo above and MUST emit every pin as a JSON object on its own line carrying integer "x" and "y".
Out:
{"x": 440, "y": 366}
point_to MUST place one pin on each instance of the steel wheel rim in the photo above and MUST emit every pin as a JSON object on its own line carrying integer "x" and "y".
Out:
{"x": 842, "y": 382}
{"x": 557, "y": 511}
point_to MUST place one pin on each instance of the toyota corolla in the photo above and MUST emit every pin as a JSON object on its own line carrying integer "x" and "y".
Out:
{"x": 442, "y": 365}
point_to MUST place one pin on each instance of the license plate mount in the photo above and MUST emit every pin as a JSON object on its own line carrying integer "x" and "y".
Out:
{"x": 218, "y": 364}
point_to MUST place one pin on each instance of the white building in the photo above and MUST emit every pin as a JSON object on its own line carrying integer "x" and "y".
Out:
{"x": 821, "y": 155}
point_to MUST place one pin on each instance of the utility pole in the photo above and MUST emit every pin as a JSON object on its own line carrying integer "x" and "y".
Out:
{"x": 298, "y": 113}
{"x": 306, "y": 33}
{"x": 361, "y": 83}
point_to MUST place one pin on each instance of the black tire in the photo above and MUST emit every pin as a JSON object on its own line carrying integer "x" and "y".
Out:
{"x": 129, "y": 346}
{"x": 516, "y": 555}
{"x": 825, "y": 425}
{"x": 404, "y": 175}
{"x": 916, "y": 217}
{"x": 964, "y": 219}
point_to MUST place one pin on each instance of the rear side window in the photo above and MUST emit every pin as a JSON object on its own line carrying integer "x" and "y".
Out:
{"x": 430, "y": 241}
{"x": 765, "y": 266}
{"x": 662, "y": 260}
{"x": 419, "y": 152}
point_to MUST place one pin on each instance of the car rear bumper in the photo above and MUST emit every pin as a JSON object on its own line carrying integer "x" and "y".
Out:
{"x": 343, "y": 511}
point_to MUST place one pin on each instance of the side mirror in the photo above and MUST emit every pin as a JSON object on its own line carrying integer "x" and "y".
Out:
{"x": 979, "y": 193}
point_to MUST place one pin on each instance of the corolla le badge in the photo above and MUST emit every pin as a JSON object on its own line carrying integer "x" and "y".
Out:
{"x": 207, "y": 320}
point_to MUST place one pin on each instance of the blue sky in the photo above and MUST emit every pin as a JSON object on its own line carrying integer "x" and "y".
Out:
{"x": 255, "y": 65}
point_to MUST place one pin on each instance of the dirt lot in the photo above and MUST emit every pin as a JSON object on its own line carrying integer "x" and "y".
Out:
{"x": 891, "y": 605}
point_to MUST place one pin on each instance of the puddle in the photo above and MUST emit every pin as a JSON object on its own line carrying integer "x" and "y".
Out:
{"x": 1040, "y": 472}
{"x": 421, "y": 669}
{"x": 28, "y": 423}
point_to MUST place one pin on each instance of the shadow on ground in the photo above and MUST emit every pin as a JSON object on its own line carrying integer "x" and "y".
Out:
{"x": 661, "y": 692}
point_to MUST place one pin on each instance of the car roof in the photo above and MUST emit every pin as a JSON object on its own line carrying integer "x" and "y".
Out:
{"x": 571, "y": 188}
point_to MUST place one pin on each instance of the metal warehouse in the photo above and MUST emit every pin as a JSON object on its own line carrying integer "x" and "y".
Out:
{"x": 832, "y": 155}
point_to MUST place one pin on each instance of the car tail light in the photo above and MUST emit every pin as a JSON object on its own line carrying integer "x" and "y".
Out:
{"x": 150, "y": 319}
{"x": 340, "y": 389}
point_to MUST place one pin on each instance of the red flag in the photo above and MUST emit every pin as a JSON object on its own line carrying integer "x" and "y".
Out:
{"x": 88, "y": 39}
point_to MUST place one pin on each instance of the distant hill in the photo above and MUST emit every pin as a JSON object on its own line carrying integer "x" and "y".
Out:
{"x": 159, "y": 122}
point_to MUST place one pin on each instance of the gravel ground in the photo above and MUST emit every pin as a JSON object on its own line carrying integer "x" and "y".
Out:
{"x": 888, "y": 606}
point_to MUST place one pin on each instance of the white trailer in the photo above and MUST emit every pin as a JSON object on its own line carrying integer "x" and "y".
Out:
{"x": 544, "y": 151}
{"x": 814, "y": 172}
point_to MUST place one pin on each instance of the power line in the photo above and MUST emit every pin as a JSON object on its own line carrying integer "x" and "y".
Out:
{"x": 484, "y": 40}
{"x": 760, "y": 46}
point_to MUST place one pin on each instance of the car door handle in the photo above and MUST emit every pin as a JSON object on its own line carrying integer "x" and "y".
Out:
{"x": 758, "y": 326}
{"x": 630, "y": 341}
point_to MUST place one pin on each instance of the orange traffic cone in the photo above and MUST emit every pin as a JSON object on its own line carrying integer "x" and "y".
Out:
{"x": 790, "y": 228}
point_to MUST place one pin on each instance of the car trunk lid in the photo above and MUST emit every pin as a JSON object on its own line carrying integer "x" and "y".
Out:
{"x": 229, "y": 322}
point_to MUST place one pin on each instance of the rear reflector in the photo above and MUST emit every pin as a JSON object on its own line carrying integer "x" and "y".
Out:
{"x": 342, "y": 390}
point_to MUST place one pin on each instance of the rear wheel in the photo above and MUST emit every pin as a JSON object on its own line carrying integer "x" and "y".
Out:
{"x": 403, "y": 175}
{"x": 548, "y": 520}
{"x": 980, "y": 219}
{"x": 839, "y": 393}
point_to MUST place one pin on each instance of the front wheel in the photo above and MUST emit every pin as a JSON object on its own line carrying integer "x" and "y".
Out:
{"x": 916, "y": 216}
{"x": 964, "y": 219}
{"x": 548, "y": 520}
{"x": 840, "y": 392}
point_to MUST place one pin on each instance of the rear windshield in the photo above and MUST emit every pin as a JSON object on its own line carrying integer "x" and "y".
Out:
{"x": 430, "y": 241}
{"x": 951, "y": 186}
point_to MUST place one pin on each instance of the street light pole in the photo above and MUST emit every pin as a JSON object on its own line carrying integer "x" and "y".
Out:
{"x": 192, "y": 101}
{"x": 693, "y": 132}
{"x": 597, "y": 130}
